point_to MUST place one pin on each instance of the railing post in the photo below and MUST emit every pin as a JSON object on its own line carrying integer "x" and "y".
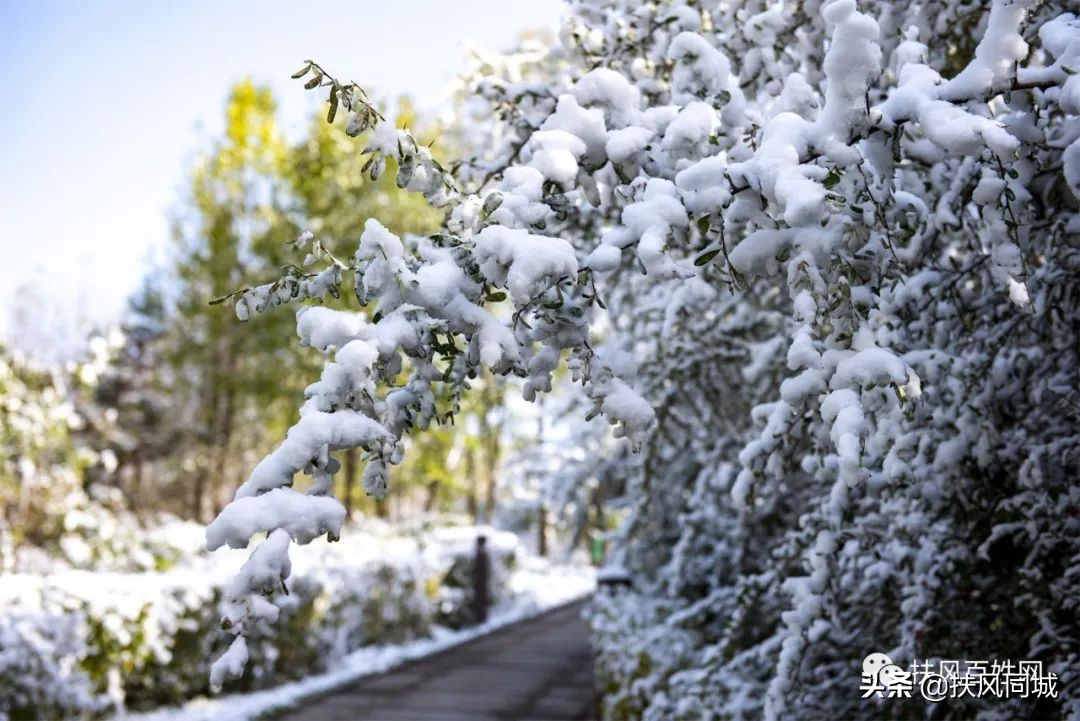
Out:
{"x": 481, "y": 579}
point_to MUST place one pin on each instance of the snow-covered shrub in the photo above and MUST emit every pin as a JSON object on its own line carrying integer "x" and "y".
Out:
{"x": 75, "y": 642}
{"x": 637, "y": 650}
{"x": 40, "y": 457}
{"x": 40, "y": 674}
{"x": 97, "y": 532}
{"x": 49, "y": 508}
{"x": 832, "y": 247}
{"x": 144, "y": 641}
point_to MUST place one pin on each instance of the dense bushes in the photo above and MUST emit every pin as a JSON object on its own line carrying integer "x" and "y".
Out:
{"x": 79, "y": 643}
{"x": 39, "y": 674}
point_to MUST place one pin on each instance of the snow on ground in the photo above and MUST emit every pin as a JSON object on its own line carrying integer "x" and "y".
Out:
{"x": 537, "y": 587}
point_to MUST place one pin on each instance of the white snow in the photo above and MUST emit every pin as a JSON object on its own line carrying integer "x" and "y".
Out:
{"x": 604, "y": 259}
{"x": 230, "y": 664}
{"x": 555, "y": 154}
{"x": 314, "y": 431}
{"x": 303, "y": 517}
{"x": 526, "y": 264}
{"x": 325, "y": 328}
{"x": 623, "y": 144}
{"x": 610, "y": 91}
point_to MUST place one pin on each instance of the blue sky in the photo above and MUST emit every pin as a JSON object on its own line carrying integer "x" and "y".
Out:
{"x": 103, "y": 104}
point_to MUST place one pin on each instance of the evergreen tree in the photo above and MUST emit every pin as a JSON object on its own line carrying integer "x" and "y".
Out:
{"x": 126, "y": 410}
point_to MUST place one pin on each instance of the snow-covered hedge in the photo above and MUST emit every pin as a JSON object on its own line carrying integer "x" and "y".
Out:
{"x": 77, "y": 642}
{"x": 40, "y": 674}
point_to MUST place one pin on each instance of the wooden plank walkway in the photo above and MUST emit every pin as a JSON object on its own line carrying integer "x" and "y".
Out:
{"x": 536, "y": 670}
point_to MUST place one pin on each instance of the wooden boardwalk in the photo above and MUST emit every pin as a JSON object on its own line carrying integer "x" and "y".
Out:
{"x": 536, "y": 670}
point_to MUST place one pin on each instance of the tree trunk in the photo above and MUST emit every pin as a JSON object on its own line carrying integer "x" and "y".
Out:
{"x": 350, "y": 477}
{"x": 224, "y": 415}
{"x": 135, "y": 499}
{"x": 489, "y": 437}
{"x": 197, "y": 493}
{"x": 472, "y": 504}
{"x": 432, "y": 495}
{"x": 541, "y": 539}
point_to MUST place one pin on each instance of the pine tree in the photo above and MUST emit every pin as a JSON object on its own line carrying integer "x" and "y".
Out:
{"x": 126, "y": 408}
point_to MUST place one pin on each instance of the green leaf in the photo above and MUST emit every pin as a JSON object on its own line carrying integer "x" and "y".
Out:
{"x": 301, "y": 72}
{"x": 496, "y": 297}
{"x": 706, "y": 257}
{"x": 832, "y": 178}
{"x": 492, "y": 203}
{"x": 333, "y": 105}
